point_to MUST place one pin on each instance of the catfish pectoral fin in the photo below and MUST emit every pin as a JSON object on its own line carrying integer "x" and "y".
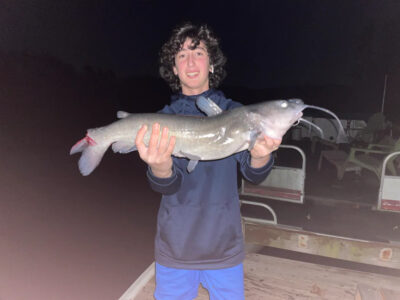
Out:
{"x": 124, "y": 146}
{"x": 193, "y": 161}
{"x": 192, "y": 165}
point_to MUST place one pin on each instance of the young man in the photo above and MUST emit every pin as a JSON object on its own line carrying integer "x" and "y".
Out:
{"x": 199, "y": 235}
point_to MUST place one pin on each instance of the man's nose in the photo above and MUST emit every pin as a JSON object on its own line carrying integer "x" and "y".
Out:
{"x": 191, "y": 59}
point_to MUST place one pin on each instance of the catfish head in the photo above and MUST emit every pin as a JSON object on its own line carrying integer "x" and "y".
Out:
{"x": 276, "y": 117}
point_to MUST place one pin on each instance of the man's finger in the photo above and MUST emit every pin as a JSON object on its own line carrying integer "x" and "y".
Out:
{"x": 277, "y": 142}
{"x": 171, "y": 145}
{"x": 272, "y": 141}
{"x": 153, "y": 143}
{"x": 139, "y": 139}
{"x": 164, "y": 141}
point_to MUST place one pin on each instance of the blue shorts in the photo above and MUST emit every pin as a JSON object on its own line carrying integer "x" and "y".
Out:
{"x": 181, "y": 284}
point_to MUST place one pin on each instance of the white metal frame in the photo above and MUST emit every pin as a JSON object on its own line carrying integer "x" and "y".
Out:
{"x": 274, "y": 220}
{"x": 388, "y": 182}
{"x": 299, "y": 172}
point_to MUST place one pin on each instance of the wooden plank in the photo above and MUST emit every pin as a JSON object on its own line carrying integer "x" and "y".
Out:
{"x": 387, "y": 294}
{"x": 139, "y": 284}
{"x": 366, "y": 292}
{"x": 275, "y": 278}
{"x": 368, "y": 252}
{"x": 272, "y": 278}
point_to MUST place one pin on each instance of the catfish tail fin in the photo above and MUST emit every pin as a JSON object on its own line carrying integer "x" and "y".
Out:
{"x": 92, "y": 153}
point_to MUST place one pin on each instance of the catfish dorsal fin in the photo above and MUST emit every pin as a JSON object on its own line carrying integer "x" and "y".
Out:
{"x": 207, "y": 106}
{"x": 122, "y": 114}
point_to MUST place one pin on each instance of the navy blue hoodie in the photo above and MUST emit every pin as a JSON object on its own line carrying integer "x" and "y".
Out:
{"x": 199, "y": 223}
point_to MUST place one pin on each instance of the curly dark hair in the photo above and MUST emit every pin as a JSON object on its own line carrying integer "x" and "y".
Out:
{"x": 196, "y": 34}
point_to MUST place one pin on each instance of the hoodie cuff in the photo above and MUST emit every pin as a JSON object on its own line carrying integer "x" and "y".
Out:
{"x": 161, "y": 181}
{"x": 262, "y": 169}
{"x": 165, "y": 186}
{"x": 256, "y": 175}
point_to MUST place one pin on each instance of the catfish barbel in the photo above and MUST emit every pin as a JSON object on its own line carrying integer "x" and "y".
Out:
{"x": 215, "y": 136}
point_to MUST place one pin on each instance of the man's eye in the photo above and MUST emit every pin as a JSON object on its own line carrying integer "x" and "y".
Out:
{"x": 199, "y": 53}
{"x": 182, "y": 55}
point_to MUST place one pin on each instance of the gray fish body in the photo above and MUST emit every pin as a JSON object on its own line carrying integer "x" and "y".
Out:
{"x": 217, "y": 136}
{"x": 203, "y": 138}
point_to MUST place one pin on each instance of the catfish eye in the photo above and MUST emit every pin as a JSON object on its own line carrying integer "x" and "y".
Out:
{"x": 296, "y": 101}
{"x": 284, "y": 104}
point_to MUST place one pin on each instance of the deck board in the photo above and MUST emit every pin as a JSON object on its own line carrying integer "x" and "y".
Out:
{"x": 273, "y": 278}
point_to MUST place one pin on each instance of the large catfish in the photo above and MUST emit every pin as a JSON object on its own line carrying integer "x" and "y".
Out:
{"x": 216, "y": 136}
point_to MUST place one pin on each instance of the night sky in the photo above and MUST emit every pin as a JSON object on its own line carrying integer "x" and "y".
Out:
{"x": 268, "y": 43}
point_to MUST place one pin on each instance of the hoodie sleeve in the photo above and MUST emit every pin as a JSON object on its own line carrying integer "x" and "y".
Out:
{"x": 166, "y": 186}
{"x": 170, "y": 185}
{"x": 254, "y": 175}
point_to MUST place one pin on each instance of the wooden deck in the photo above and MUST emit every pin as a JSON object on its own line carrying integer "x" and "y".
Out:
{"x": 271, "y": 278}
{"x": 349, "y": 230}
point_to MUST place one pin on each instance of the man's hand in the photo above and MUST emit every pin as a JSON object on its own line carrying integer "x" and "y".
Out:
{"x": 158, "y": 153}
{"x": 261, "y": 152}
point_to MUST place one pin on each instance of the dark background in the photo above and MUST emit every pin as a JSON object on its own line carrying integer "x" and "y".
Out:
{"x": 66, "y": 66}
{"x": 331, "y": 53}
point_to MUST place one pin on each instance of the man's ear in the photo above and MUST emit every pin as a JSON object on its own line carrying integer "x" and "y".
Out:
{"x": 175, "y": 70}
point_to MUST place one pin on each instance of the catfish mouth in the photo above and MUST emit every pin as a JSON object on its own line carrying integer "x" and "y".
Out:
{"x": 296, "y": 117}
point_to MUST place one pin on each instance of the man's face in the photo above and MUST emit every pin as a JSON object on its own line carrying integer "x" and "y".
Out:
{"x": 192, "y": 68}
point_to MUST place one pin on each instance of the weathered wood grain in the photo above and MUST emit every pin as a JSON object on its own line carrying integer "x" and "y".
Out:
{"x": 272, "y": 278}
